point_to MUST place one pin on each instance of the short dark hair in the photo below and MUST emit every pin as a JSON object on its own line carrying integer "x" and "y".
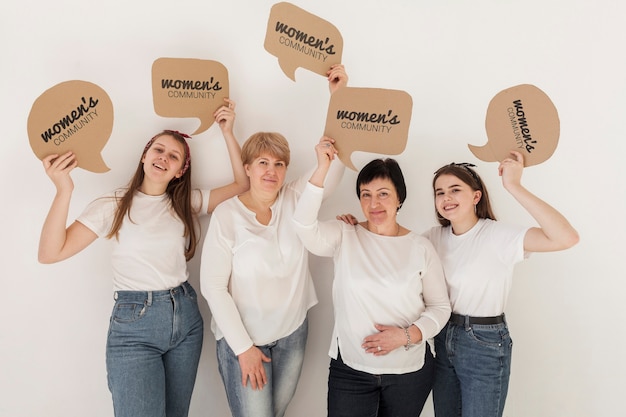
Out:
{"x": 383, "y": 169}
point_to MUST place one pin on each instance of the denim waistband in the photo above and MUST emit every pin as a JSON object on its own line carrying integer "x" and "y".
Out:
{"x": 149, "y": 296}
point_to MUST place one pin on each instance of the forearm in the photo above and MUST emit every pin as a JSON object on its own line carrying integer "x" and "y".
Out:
{"x": 234, "y": 153}
{"x": 319, "y": 176}
{"x": 333, "y": 177}
{"x": 53, "y": 232}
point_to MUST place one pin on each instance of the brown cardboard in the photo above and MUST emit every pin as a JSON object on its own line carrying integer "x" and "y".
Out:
{"x": 72, "y": 116}
{"x": 185, "y": 87}
{"x": 369, "y": 120}
{"x": 300, "y": 39}
{"x": 520, "y": 118}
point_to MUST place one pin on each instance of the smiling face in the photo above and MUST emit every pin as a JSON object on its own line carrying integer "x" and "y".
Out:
{"x": 164, "y": 160}
{"x": 379, "y": 201}
{"x": 267, "y": 173}
{"x": 455, "y": 200}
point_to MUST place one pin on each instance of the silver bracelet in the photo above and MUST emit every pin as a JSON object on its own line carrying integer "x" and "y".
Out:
{"x": 408, "y": 338}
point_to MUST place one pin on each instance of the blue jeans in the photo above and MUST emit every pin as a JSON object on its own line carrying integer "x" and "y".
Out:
{"x": 283, "y": 372}
{"x": 353, "y": 393}
{"x": 473, "y": 366}
{"x": 152, "y": 353}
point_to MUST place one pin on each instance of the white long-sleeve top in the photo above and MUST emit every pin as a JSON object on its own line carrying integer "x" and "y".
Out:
{"x": 388, "y": 280}
{"x": 255, "y": 277}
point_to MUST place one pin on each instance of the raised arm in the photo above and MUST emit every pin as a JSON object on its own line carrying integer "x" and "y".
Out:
{"x": 225, "y": 117}
{"x": 325, "y": 152}
{"x": 554, "y": 232}
{"x": 58, "y": 242}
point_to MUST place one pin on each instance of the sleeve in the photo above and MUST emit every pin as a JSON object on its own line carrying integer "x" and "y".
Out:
{"x": 98, "y": 215}
{"x": 511, "y": 242}
{"x": 200, "y": 201}
{"x": 320, "y": 238}
{"x": 215, "y": 273}
{"x": 435, "y": 294}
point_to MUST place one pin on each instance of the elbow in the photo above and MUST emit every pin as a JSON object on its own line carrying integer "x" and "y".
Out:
{"x": 573, "y": 239}
{"x": 567, "y": 241}
{"x": 44, "y": 259}
{"x": 243, "y": 186}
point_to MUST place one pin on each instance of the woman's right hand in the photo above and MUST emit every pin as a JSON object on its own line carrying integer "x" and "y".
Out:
{"x": 251, "y": 364}
{"x": 58, "y": 168}
{"x": 348, "y": 219}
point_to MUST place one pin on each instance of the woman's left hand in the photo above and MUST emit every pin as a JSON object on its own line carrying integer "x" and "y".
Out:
{"x": 325, "y": 151}
{"x": 510, "y": 170}
{"x": 387, "y": 339}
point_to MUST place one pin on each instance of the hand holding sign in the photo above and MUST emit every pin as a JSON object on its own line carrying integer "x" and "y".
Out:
{"x": 522, "y": 119}
{"x": 189, "y": 88}
{"x": 368, "y": 119}
{"x": 300, "y": 39}
{"x": 72, "y": 116}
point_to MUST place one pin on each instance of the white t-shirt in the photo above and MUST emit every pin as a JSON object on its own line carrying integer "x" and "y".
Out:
{"x": 388, "y": 280}
{"x": 479, "y": 265}
{"x": 149, "y": 254}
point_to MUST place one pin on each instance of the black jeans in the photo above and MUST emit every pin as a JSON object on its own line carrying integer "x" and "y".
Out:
{"x": 353, "y": 393}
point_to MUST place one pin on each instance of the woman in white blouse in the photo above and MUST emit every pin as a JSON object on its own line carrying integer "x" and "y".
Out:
{"x": 255, "y": 277}
{"x": 389, "y": 295}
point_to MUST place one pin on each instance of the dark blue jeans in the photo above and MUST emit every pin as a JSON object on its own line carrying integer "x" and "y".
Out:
{"x": 473, "y": 365}
{"x": 353, "y": 393}
{"x": 153, "y": 349}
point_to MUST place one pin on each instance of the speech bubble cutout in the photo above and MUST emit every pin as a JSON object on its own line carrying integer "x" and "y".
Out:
{"x": 368, "y": 119}
{"x": 300, "y": 39}
{"x": 72, "y": 116}
{"x": 520, "y": 118}
{"x": 185, "y": 87}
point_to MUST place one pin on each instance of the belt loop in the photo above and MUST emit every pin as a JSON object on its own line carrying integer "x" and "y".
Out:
{"x": 115, "y": 295}
{"x": 467, "y": 322}
{"x": 185, "y": 289}
{"x": 149, "y": 300}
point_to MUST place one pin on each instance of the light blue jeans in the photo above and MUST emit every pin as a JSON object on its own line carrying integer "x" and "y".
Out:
{"x": 473, "y": 365}
{"x": 282, "y": 372}
{"x": 152, "y": 353}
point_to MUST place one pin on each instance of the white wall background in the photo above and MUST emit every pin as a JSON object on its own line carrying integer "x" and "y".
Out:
{"x": 452, "y": 57}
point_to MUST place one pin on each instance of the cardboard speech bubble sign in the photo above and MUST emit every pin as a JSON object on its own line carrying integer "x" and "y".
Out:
{"x": 72, "y": 116}
{"x": 368, "y": 119}
{"x": 520, "y": 118}
{"x": 185, "y": 87}
{"x": 300, "y": 39}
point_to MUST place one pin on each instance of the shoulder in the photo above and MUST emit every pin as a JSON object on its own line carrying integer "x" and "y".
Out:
{"x": 435, "y": 232}
{"x": 501, "y": 228}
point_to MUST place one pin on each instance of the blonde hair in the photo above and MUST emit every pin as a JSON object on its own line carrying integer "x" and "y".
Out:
{"x": 259, "y": 143}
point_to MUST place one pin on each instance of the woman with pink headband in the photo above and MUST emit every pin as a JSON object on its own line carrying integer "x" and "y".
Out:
{"x": 155, "y": 335}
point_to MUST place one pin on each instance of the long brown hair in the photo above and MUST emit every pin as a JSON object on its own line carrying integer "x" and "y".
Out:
{"x": 178, "y": 190}
{"x": 465, "y": 173}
